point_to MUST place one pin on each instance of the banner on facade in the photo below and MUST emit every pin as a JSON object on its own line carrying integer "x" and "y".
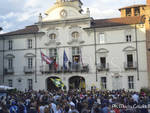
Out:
{"x": 57, "y": 82}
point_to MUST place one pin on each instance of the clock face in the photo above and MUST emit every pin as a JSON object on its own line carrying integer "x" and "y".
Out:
{"x": 63, "y": 13}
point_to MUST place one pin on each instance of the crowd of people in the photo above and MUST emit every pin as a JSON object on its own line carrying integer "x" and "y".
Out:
{"x": 74, "y": 101}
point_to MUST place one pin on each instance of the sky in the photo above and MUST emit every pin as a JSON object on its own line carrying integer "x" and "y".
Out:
{"x": 16, "y": 14}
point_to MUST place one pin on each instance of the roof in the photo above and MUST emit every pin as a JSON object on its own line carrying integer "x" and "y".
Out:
{"x": 99, "y": 23}
{"x": 137, "y": 5}
{"x": 27, "y": 30}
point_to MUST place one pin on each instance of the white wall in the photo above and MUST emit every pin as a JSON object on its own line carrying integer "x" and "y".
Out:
{"x": 115, "y": 44}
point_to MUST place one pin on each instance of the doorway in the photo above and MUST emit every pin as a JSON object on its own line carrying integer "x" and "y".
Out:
{"x": 50, "y": 84}
{"x": 77, "y": 82}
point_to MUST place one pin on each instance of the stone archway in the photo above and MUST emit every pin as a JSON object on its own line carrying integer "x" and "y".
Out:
{"x": 77, "y": 82}
{"x": 50, "y": 85}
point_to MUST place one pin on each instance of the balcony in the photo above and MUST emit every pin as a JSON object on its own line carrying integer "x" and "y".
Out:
{"x": 28, "y": 70}
{"x": 130, "y": 65}
{"x": 49, "y": 69}
{"x": 79, "y": 68}
{"x": 9, "y": 70}
{"x": 72, "y": 68}
{"x": 103, "y": 67}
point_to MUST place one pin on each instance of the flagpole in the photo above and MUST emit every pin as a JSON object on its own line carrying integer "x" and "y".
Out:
{"x": 63, "y": 61}
{"x": 41, "y": 61}
{"x": 3, "y": 60}
{"x": 35, "y": 58}
{"x": 57, "y": 59}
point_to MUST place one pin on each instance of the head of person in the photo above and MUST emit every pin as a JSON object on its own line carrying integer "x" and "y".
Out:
{"x": 72, "y": 106}
{"x": 66, "y": 108}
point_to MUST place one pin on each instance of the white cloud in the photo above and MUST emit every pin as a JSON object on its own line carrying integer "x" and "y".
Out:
{"x": 7, "y": 16}
{"x": 6, "y": 25}
{"x": 24, "y": 12}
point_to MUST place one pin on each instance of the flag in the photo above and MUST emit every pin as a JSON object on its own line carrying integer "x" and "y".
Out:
{"x": 57, "y": 82}
{"x": 55, "y": 65}
{"x": 46, "y": 58}
{"x": 65, "y": 60}
{"x": 81, "y": 58}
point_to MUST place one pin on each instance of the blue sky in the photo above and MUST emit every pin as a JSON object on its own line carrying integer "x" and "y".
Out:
{"x": 16, "y": 14}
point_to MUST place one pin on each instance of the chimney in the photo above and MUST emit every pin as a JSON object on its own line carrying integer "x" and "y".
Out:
{"x": 147, "y": 2}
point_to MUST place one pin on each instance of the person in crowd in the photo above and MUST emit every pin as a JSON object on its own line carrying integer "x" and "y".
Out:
{"x": 75, "y": 101}
{"x": 13, "y": 108}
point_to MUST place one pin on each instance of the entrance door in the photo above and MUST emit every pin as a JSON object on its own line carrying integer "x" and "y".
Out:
{"x": 77, "y": 82}
{"x": 50, "y": 84}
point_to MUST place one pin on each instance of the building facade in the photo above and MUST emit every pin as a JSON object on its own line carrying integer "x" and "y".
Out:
{"x": 107, "y": 54}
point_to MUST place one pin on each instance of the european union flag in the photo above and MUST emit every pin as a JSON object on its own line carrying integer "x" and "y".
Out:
{"x": 65, "y": 60}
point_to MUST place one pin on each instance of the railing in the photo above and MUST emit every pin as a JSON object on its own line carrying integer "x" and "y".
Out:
{"x": 71, "y": 68}
{"x": 49, "y": 69}
{"x": 79, "y": 67}
{"x": 130, "y": 65}
{"x": 29, "y": 69}
{"x": 9, "y": 70}
{"x": 103, "y": 67}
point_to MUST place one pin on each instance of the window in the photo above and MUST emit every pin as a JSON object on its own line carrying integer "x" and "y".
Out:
{"x": 76, "y": 54}
{"x": 101, "y": 38}
{"x": 103, "y": 62}
{"x": 10, "y": 63}
{"x": 53, "y": 53}
{"x": 52, "y": 36}
{"x": 75, "y": 51}
{"x": 136, "y": 11}
{"x": 129, "y": 60}
{"x": 29, "y": 43}
{"x": 103, "y": 83}
{"x": 75, "y": 35}
{"x": 30, "y": 63}
{"x": 131, "y": 82}
{"x": 128, "y": 12}
{"x": 128, "y": 38}
{"x": 10, "y": 83}
{"x": 30, "y": 84}
{"x": 10, "y": 44}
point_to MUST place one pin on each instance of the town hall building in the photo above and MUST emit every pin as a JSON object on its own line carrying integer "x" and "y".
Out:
{"x": 82, "y": 52}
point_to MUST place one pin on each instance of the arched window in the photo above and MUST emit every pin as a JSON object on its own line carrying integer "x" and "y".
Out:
{"x": 52, "y": 36}
{"x": 75, "y": 35}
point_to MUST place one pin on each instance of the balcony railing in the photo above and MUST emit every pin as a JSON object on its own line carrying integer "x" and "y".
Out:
{"x": 29, "y": 69}
{"x": 9, "y": 70}
{"x": 72, "y": 68}
{"x": 130, "y": 65}
{"x": 103, "y": 67}
{"x": 49, "y": 69}
{"x": 79, "y": 68}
